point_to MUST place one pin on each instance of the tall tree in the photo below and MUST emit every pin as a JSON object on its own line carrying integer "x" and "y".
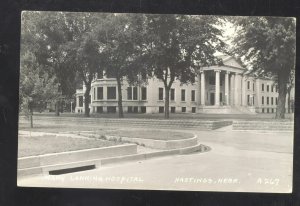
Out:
{"x": 36, "y": 86}
{"x": 268, "y": 45}
{"x": 179, "y": 45}
{"x": 119, "y": 39}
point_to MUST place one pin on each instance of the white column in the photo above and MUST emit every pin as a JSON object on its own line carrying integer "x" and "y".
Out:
{"x": 236, "y": 84}
{"x": 217, "y": 90}
{"x": 198, "y": 91}
{"x": 244, "y": 103}
{"x": 202, "y": 88}
{"x": 227, "y": 88}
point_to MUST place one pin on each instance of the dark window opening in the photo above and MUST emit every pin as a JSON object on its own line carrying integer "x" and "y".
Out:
{"x": 172, "y": 96}
{"x": 99, "y": 109}
{"x": 193, "y": 95}
{"x": 135, "y": 109}
{"x": 143, "y": 109}
{"x": 262, "y": 100}
{"x": 248, "y": 85}
{"x": 161, "y": 110}
{"x": 111, "y": 92}
{"x": 182, "y": 95}
{"x": 193, "y": 109}
{"x": 111, "y": 109}
{"x": 267, "y": 100}
{"x": 268, "y": 88}
{"x": 100, "y": 93}
{"x": 160, "y": 93}
{"x": 173, "y": 109}
{"x": 129, "y": 109}
{"x": 135, "y": 97}
{"x": 80, "y": 101}
{"x": 183, "y": 109}
{"x": 262, "y": 87}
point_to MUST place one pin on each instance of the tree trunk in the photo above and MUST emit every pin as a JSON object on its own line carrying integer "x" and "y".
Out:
{"x": 31, "y": 118}
{"x": 167, "y": 102}
{"x": 120, "y": 106}
{"x": 57, "y": 104}
{"x": 282, "y": 89}
{"x": 87, "y": 100}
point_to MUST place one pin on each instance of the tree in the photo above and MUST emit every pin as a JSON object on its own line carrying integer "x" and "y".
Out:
{"x": 35, "y": 85}
{"x": 268, "y": 45}
{"x": 119, "y": 38}
{"x": 178, "y": 46}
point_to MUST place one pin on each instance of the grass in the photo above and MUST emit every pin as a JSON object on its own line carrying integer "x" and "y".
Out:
{"x": 37, "y": 145}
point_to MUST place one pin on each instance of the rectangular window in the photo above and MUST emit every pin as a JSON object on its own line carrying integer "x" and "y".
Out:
{"x": 193, "y": 109}
{"x": 129, "y": 93}
{"x": 272, "y": 110}
{"x": 276, "y": 100}
{"x": 135, "y": 96}
{"x": 80, "y": 101}
{"x": 183, "y": 95}
{"x": 272, "y": 88}
{"x": 161, "y": 110}
{"x": 100, "y": 93}
{"x": 272, "y": 101}
{"x": 129, "y": 109}
{"x": 160, "y": 93}
{"x": 183, "y": 109}
{"x": 144, "y": 93}
{"x": 267, "y": 100}
{"x": 111, "y": 109}
{"x": 248, "y": 99}
{"x": 99, "y": 109}
{"x": 135, "y": 109}
{"x": 94, "y": 94}
{"x": 143, "y": 109}
{"x": 221, "y": 97}
{"x": 253, "y": 86}
{"x": 111, "y": 92}
{"x": 173, "y": 109}
{"x": 172, "y": 96}
{"x": 263, "y": 110}
{"x": 262, "y": 100}
{"x": 262, "y": 87}
{"x": 268, "y": 88}
{"x": 193, "y": 95}
{"x": 253, "y": 100}
{"x": 248, "y": 85}
{"x": 267, "y": 110}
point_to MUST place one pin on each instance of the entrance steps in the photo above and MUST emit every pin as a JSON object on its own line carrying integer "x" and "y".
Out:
{"x": 272, "y": 125}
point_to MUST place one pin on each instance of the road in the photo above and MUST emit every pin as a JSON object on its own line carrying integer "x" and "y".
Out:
{"x": 237, "y": 162}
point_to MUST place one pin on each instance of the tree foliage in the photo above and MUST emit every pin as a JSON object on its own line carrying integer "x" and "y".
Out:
{"x": 268, "y": 45}
{"x": 178, "y": 45}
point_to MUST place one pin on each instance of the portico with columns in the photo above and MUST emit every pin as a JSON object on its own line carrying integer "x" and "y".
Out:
{"x": 221, "y": 87}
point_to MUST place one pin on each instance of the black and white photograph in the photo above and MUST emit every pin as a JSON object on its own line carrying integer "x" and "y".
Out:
{"x": 156, "y": 102}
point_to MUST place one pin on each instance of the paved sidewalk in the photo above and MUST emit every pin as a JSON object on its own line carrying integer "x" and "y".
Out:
{"x": 237, "y": 162}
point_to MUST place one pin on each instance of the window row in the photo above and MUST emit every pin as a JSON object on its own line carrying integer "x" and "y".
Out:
{"x": 173, "y": 109}
{"x": 273, "y": 88}
{"x": 172, "y": 94}
{"x": 268, "y": 100}
{"x": 132, "y": 93}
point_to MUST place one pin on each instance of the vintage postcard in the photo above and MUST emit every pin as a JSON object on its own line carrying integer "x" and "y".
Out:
{"x": 156, "y": 102}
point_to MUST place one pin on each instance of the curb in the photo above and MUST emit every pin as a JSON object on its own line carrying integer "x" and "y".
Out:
{"x": 97, "y": 163}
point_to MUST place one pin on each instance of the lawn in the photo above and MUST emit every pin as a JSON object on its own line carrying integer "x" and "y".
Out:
{"x": 37, "y": 145}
